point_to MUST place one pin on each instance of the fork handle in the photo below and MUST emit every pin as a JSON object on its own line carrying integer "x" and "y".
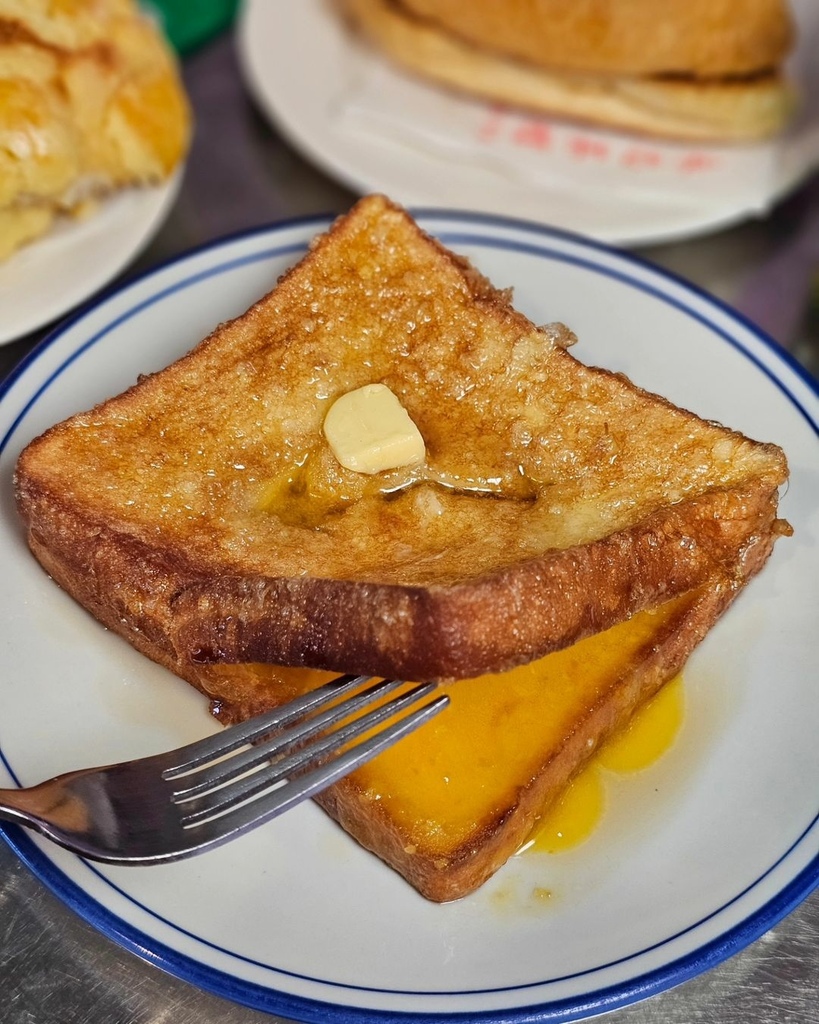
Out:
{"x": 43, "y": 807}
{"x": 14, "y": 806}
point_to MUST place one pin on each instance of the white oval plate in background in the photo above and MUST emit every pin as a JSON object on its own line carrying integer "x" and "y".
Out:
{"x": 374, "y": 127}
{"x": 55, "y": 273}
{"x": 695, "y": 857}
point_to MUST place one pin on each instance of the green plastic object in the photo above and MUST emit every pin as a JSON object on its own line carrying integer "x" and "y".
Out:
{"x": 190, "y": 23}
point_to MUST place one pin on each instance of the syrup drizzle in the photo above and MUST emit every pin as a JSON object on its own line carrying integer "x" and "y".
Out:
{"x": 651, "y": 732}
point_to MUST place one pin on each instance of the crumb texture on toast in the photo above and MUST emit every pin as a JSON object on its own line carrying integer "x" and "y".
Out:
{"x": 555, "y": 499}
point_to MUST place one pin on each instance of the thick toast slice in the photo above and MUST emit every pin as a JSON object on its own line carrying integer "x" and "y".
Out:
{"x": 450, "y": 804}
{"x": 201, "y": 515}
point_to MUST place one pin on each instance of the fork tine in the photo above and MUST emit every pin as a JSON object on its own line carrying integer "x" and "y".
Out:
{"x": 193, "y": 755}
{"x": 125, "y": 813}
{"x": 255, "y": 812}
{"x": 209, "y": 775}
{"x": 220, "y": 800}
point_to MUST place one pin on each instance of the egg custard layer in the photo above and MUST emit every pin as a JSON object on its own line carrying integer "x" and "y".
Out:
{"x": 453, "y": 778}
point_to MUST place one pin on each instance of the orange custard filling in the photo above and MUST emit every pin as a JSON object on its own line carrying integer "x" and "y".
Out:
{"x": 442, "y": 784}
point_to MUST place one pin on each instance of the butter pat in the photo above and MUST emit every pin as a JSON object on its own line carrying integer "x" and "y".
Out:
{"x": 369, "y": 431}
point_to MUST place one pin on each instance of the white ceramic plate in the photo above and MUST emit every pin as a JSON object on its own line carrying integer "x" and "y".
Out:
{"x": 377, "y": 129}
{"x": 44, "y": 280}
{"x": 694, "y": 858}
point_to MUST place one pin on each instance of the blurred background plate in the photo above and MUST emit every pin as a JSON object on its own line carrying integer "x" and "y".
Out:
{"x": 377, "y": 129}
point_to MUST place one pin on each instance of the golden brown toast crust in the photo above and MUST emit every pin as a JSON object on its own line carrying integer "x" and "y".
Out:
{"x": 159, "y": 499}
{"x": 402, "y": 632}
{"x": 487, "y": 625}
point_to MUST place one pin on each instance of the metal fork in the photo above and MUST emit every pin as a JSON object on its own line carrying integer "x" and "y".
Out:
{"x": 173, "y": 805}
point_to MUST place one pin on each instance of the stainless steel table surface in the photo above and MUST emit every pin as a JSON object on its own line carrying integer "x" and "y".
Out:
{"x": 56, "y": 969}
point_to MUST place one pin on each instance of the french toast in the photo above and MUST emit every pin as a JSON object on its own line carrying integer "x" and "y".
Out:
{"x": 563, "y": 544}
{"x": 202, "y": 513}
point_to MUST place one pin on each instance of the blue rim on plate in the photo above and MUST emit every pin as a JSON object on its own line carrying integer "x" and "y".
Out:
{"x": 271, "y": 999}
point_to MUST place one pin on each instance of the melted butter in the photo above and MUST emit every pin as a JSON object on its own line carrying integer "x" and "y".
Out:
{"x": 302, "y": 496}
{"x": 515, "y": 486}
{"x": 313, "y": 489}
{"x": 649, "y": 734}
{"x": 447, "y": 783}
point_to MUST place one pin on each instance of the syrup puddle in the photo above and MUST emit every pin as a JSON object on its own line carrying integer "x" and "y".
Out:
{"x": 575, "y": 816}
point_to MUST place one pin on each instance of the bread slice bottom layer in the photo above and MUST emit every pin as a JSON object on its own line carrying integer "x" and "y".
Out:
{"x": 451, "y": 803}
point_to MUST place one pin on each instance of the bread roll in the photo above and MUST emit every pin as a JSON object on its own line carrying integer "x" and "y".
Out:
{"x": 703, "y": 38}
{"x": 90, "y": 102}
{"x": 581, "y": 61}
